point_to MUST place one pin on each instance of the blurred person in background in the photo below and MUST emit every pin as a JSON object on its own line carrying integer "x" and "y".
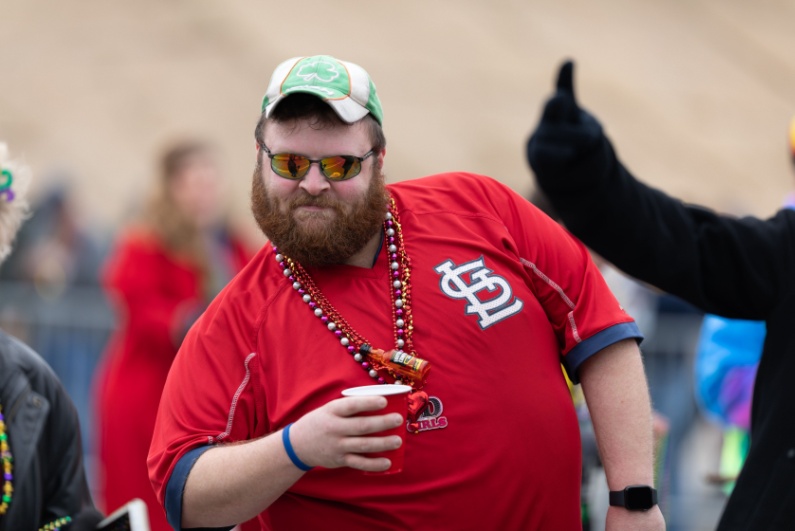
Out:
{"x": 43, "y": 482}
{"x": 163, "y": 271}
{"x": 54, "y": 251}
{"x": 740, "y": 268}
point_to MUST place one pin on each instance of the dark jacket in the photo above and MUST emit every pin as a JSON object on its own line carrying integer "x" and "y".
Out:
{"x": 736, "y": 267}
{"x": 44, "y": 439}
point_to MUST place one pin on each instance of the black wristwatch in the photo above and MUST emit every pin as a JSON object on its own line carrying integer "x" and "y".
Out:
{"x": 634, "y": 498}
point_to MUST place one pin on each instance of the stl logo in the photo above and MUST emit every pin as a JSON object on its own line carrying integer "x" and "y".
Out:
{"x": 488, "y": 295}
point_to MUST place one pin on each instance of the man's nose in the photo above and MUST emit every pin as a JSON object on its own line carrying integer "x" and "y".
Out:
{"x": 314, "y": 182}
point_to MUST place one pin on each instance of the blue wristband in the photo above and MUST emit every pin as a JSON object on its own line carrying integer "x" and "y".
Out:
{"x": 290, "y": 452}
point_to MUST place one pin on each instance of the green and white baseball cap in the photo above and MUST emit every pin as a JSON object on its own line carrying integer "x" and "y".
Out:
{"x": 345, "y": 86}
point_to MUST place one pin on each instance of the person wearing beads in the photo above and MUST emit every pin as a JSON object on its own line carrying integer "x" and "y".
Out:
{"x": 44, "y": 484}
{"x": 452, "y": 284}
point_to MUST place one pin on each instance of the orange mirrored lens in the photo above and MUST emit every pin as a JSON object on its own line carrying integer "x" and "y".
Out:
{"x": 340, "y": 167}
{"x": 290, "y": 166}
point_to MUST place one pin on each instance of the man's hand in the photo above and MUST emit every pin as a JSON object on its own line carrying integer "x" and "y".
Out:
{"x": 336, "y": 435}
{"x": 235, "y": 482}
{"x": 565, "y": 133}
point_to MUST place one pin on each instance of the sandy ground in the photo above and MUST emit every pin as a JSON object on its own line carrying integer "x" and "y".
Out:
{"x": 697, "y": 95}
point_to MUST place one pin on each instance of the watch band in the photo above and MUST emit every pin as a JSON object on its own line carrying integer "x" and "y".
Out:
{"x": 634, "y": 498}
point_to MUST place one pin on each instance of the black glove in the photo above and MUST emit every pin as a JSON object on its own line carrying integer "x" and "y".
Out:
{"x": 565, "y": 134}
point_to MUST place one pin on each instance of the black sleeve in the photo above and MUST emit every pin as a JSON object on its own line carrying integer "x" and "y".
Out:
{"x": 64, "y": 482}
{"x": 735, "y": 267}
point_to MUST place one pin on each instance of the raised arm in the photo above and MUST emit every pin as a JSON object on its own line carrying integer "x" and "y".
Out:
{"x": 721, "y": 264}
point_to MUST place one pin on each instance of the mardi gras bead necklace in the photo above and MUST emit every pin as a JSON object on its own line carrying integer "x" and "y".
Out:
{"x": 8, "y": 487}
{"x": 400, "y": 365}
{"x": 6, "y": 180}
{"x": 56, "y": 525}
{"x": 5, "y": 456}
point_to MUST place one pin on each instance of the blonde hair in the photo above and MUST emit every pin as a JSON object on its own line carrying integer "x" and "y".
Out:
{"x": 13, "y": 207}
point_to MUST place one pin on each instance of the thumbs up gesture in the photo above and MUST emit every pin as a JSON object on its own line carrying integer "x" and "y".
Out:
{"x": 565, "y": 134}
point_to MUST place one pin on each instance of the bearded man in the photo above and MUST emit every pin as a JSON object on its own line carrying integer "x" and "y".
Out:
{"x": 252, "y": 426}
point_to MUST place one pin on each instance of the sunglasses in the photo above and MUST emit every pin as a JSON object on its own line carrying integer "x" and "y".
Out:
{"x": 335, "y": 168}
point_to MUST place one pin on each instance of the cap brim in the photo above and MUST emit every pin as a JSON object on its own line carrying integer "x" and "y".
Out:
{"x": 348, "y": 110}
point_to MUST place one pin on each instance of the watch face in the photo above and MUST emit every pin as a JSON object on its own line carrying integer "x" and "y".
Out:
{"x": 638, "y": 498}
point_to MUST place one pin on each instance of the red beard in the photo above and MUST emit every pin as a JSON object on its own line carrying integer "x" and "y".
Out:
{"x": 319, "y": 241}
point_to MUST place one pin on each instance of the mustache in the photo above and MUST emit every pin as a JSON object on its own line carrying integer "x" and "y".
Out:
{"x": 306, "y": 199}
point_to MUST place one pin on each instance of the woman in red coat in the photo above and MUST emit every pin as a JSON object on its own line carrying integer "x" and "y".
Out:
{"x": 161, "y": 275}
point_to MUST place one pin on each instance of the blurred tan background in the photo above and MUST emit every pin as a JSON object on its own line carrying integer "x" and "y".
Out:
{"x": 696, "y": 94}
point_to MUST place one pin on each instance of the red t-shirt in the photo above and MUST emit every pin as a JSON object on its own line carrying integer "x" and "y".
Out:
{"x": 501, "y": 296}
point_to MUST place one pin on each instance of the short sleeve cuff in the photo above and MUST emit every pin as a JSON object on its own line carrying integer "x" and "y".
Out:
{"x": 597, "y": 342}
{"x": 176, "y": 486}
